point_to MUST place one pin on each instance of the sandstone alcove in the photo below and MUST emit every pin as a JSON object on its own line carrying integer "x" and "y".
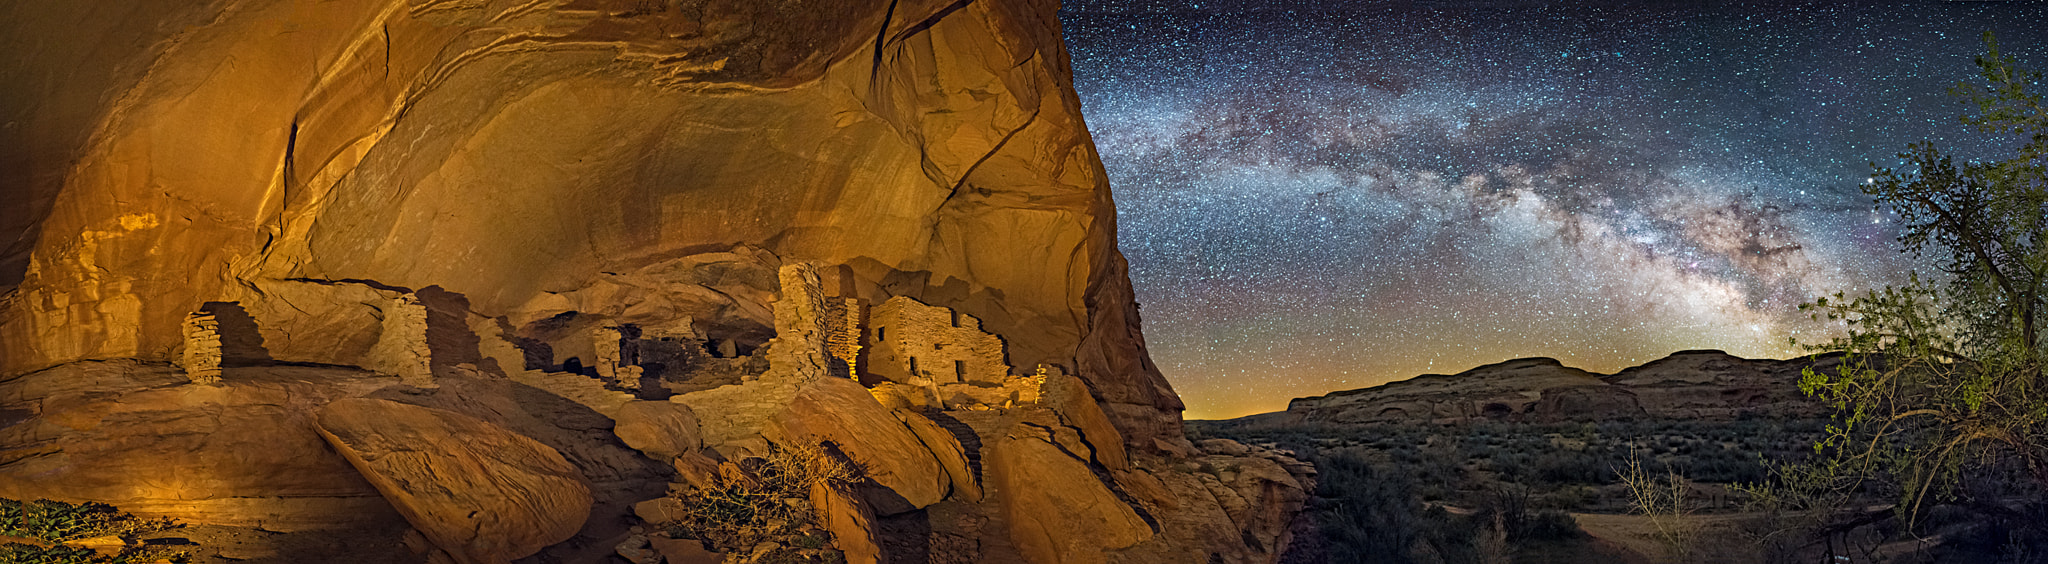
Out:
{"x": 614, "y": 241}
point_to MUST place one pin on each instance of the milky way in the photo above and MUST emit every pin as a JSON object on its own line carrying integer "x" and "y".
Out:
{"x": 1323, "y": 200}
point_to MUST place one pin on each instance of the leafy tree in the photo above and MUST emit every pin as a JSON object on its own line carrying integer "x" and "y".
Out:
{"x": 1944, "y": 379}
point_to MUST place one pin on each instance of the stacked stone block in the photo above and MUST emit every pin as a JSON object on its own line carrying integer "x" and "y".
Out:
{"x": 402, "y": 348}
{"x": 845, "y": 320}
{"x": 201, "y": 360}
{"x": 613, "y": 362}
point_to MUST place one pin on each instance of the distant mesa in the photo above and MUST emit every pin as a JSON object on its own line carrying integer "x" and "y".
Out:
{"x": 1696, "y": 384}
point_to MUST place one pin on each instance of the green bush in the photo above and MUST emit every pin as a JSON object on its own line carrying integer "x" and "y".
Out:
{"x": 1366, "y": 514}
{"x": 56, "y": 521}
{"x": 18, "y": 553}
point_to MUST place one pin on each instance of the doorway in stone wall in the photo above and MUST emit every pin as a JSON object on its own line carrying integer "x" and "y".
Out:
{"x": 241, "y": 344}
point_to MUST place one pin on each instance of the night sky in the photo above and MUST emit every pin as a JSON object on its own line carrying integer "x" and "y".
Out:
{"x": 1324, "y": 200}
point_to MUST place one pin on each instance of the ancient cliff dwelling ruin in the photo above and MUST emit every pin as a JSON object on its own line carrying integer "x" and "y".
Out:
{"x": 405, "y": 281}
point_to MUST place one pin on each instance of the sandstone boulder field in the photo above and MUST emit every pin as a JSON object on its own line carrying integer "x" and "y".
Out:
{"x": 523, "y": 276}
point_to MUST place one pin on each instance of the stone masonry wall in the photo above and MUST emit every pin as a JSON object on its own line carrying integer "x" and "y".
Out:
{"x": 845, "y": 321}
{"x": 201, "y": 359}
{"x": 798, "y": 354}
{"x": 922, "y": 344}
{"x": 402, "y": 347}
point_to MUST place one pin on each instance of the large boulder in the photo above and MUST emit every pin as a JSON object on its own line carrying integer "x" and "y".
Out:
{"x": 1264, "y": 497}
{"x": 850, "y": 521}
{"x": 1070, "y": 398}
{"x": 479, "y": 491}
{"x": 841, "y": 412}
{"x": 946, "y": 448}
{"x": 243, "y": 452}
{"x": 663, "y": 430}
{"x": 1244, "y": 507}
{"x": 1058, "y": 511}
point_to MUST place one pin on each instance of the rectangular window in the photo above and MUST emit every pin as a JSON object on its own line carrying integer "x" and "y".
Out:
{"x": 960, "y": 370}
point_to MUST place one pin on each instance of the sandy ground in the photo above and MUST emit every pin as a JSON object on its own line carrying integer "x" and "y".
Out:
{"x": 1638, "y": 536}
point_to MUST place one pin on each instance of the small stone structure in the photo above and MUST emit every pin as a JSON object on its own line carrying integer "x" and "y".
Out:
{"x": 616, "y": 357}
{"x": 920, "y": 344}
{"x": 1031, "y": 389}
{"x": 402, "y": 347}
{"x": 909, "y": 354}
{"x": 201, "y": 360}
{"x": 845, "y": 319}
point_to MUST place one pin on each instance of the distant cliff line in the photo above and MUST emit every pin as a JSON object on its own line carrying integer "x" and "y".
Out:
{"x": 1694, "y": 384}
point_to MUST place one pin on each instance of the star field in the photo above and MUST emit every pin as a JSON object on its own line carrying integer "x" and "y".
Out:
{"x": 1324, "y": 200}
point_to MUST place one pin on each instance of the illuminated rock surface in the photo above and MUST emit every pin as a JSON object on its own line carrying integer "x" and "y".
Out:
{"x": 550, "y": 217}
{"x": 840, "y": 411}
{"x": 479, "y": 491}
{"x": 509, "y": 153}
{"x": 243, "y": 452}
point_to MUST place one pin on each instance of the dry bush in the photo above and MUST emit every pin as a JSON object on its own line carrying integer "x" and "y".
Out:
{"x": 1662, "y": 499}
{"x": 760, "y": 499}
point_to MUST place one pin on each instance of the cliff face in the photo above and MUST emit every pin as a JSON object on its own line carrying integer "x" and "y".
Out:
{"x": 1687, "y": 384}
{"x": 293, "y": 158}
{"x": 576, "y": 226}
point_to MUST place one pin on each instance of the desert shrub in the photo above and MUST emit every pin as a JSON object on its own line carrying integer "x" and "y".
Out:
{"x": 1566, "y": 467}
{"x": 1367, "y": 515}
{"x": 1370, "y": 513}
{"x": 1509, "y": 507}
{"x": 1567, "y": 498}
{"x": 767, "y": 500}
{"x": 1721, "y": 465}
{"x": 20, "y": 553}
{"x": 1546, "y": 524}
{"x": 55, "y": 521}
{"x": 1662, "y": 498}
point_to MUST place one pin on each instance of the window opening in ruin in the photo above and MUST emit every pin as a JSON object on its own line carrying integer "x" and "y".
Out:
{"x": 913, "y": 367}
{"x": 956, "y": 317}
{"x": 960, "y": 370}
{"x": 880, "y": 333}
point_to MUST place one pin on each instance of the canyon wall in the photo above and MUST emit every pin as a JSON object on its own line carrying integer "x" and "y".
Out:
{"x": 301, "y": 164}
{"x": 1691, "y": 385}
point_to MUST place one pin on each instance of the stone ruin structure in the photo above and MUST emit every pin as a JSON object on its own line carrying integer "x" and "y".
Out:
{"x": 201, "y": 359}
{"x": 844, "y": 318}
{"x": 797, "y": 354}
{"x": 401, "y": 348}
{"x": 916, "y": 343}
{"x": 616, "y": 358}
{"x": 907, "y": 353}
